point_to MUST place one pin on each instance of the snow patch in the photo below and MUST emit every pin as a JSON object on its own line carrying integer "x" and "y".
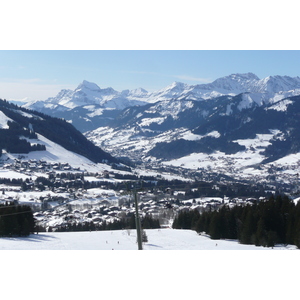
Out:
{"x": 3, "y": 120}
{"x": 281, "y": 105}
{"x": 149, "y": 121}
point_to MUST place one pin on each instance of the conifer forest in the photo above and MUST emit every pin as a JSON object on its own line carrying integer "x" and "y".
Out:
{"x": 264, "y": 223}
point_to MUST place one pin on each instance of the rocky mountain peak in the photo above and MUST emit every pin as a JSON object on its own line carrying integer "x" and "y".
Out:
{"x": 88, "y": 85}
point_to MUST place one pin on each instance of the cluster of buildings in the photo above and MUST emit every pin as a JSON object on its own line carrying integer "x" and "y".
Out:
{"x": 33, "y": 165}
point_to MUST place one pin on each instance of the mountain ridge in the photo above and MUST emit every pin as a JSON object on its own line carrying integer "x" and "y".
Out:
{"x": 236, "y": 83}
{"x": 89, "y": 107}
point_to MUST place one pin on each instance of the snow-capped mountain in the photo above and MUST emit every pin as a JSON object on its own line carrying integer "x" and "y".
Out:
{"x": 88, "y": 93}
{"x": 229, "y": 85}
{"x": 249, "y": 82}
{"x": 237, "y": 125}
{"x": 233, "y": 82}
{"x": 89, "y": 107}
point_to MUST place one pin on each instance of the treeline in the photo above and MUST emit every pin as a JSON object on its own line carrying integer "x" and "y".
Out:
{"x": 11, "y": 139}
{"x": 266, "y": 223}
{"x": 230, "y": 189}
{"x": 147, "y": 222}
{"x": 16, "y": 220}
{"x": 182, "y": 147}
{"x": 11, "y": 181}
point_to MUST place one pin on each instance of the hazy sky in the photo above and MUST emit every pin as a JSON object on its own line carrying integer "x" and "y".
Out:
{"x": 39, "y": 74}
{"x": 186, "y": 41}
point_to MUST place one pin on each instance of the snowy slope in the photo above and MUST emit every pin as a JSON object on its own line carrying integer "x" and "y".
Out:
{"x": 158, "y": 239}
{"x": 56, "y": 154}
{"x": 3, "y": 120}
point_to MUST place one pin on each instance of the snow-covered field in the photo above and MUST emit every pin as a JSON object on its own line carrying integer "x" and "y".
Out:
{"x": 149, "y": 274}
{"x": 158, "y": 239}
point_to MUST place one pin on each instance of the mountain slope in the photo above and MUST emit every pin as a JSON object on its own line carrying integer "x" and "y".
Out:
{"x": 282, "y": 118}
{"x": 22, "y": 124}
{"x": 236, "y": 136}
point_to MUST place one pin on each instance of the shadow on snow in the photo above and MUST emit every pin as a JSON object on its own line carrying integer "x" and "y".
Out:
{"x": 37, "y": 238}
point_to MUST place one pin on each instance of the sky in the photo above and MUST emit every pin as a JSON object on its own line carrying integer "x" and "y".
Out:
{"x": 39, "y": 74}
{"x": 52, "y": 45}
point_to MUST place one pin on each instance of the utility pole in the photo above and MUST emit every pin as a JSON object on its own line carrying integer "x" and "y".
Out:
{"x": 138, "y": 222}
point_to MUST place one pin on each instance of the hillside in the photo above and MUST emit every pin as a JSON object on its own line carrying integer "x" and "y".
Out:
{"x": 237, "y": 136}
{"x": 21, "y": 128}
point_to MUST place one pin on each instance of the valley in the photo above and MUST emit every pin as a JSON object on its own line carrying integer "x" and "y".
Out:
{"x": 76, "y": 159}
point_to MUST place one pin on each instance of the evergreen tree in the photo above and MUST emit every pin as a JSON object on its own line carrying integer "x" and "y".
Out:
{"x": 16, "y": 220}
{"x": 215, "y": 228}
{"x": 260, "y": 237}
{"x": 249, "y": 227}
{"x": 266, "y": 223}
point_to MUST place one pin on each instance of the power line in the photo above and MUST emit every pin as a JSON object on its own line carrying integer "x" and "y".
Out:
{"x": 5, "y": 206}
{"x": 17, "y": 213}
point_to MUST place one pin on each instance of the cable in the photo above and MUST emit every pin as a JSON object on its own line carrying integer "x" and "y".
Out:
{"x": 22, "y": 212}
{"x": 4, "y": 206}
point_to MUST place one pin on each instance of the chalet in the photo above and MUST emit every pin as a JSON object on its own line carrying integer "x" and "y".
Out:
{"x": 251, "y": 200}
{"x": 61, "y": 190}
{"x": 113, "y": 208}
{"x": 97, "y": 219}
{"x": 112, "y": 213}
{"x": 105, "y": 174}
{"x": 104, "y": 202}
{"x": 32, "y": 166}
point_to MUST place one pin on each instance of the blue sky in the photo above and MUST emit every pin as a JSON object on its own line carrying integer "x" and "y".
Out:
{"x": 154, "y": 28}
{"x": 42, "y": 74}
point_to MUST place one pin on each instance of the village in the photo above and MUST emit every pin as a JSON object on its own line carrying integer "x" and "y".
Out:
{"x": 66, "y": 197}
{"x": 34, "y": 165}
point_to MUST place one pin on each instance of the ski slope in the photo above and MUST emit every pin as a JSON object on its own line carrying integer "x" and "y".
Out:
{"x": 158, "y": 239}
{"x": 173, "y": 274}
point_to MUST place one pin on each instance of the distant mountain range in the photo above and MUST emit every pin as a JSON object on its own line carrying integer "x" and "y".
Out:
{"x": 89, "y": 107}
{"x": 234, "y": 125}
{"x": 88, "y": 93}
